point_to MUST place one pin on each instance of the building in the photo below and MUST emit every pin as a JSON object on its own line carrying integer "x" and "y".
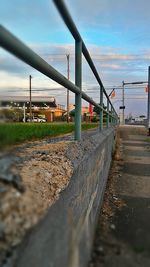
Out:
{"x": 45, "y": 107}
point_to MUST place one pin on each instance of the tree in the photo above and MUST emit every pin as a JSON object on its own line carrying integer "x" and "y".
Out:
{"x": 14, "y": 114}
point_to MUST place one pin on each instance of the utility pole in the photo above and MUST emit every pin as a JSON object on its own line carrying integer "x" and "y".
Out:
{"x": 123, "y": 85}
{"x": 30, "y": 77}
{"x": 122, "y": 119}
{"x": 148, "y": 106}
{"x": 68, "y": 76}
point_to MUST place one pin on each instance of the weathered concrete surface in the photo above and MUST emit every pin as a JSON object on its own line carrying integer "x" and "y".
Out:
{"x": 132, "y": 222}
{"x": 126, "y": 242}
{"x": 64, "y": 236}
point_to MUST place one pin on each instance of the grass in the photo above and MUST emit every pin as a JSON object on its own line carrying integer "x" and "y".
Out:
{"x": 12, "y": 133}
{"x": 139, "y": 249}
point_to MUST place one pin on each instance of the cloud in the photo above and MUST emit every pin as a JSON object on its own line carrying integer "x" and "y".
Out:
{"x": 13, "y": 66}
{"x": 113, "y": 67}
{"x": 109, "y": 12}
{"x": 53, "y": 49}
{"x": 115, "y": 33}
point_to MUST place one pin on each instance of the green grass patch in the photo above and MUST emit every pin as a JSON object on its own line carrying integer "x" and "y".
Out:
{"x": 12, "y": 133}
{"x": 139, "y": 249}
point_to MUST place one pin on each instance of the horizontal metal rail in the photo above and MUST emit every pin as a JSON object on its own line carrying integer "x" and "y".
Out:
{"x": 75, "y": 33}
{"x": 73, "y": 29}
{"x": 15, "y": 46}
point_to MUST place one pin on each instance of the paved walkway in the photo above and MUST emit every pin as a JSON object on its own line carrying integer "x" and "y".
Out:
{"x": 128, "y": 242}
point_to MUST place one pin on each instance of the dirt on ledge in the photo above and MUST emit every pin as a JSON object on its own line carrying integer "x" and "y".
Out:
{"x": 45, "y": 171}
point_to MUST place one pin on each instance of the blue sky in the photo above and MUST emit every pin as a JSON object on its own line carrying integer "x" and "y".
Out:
{"x": 116, "y": 34}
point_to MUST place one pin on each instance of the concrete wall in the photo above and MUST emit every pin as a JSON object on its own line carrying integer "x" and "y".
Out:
{"x": 64, "y": 237}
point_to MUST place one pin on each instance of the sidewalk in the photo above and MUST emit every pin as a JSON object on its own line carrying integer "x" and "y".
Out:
{"x": 125, "y": 239}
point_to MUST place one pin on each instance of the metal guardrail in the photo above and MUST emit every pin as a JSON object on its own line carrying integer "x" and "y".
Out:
{"x": 13, "y": 45}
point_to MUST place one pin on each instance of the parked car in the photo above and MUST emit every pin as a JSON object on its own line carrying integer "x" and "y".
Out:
{"x": 36, "y": 119}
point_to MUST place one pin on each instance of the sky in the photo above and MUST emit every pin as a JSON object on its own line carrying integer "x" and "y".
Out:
{"x": 114, "y": 31}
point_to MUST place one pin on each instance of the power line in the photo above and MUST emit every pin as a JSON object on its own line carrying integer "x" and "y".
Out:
{"x": 34, "y": 89}
{"x": 137, "y": 98}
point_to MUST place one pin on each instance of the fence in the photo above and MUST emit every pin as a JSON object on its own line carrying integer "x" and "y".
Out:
{"x": 13, "y": 45}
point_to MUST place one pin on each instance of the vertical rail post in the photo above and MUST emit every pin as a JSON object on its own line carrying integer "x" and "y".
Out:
{"x": 24, "y": 112}
{"x": 101, "y": 111}
{"x": 123, "y": 103}
{"x": 148, "y": 104}
{"x": 111, "y": 116}
{"x": 68, "y": 76}
{"x": 78, "y": 82}
{"x": 30, "y": 77}
{"x": 107, "y": 122}
{"x": 113, "y": 120}
{"x": 117, "y": 121}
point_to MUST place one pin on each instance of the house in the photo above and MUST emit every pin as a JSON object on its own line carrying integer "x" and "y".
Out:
{"x": 45, "y": 107}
